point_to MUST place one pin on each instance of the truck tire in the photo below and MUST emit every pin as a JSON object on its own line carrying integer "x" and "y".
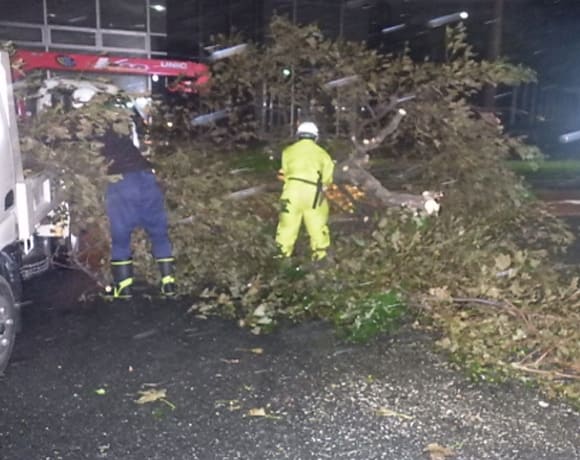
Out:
{"x": 8, "y": 323}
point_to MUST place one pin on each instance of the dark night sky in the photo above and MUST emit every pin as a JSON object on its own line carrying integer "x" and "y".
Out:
{"x": 546, "y": 35}
{"x": 542, "y": 33}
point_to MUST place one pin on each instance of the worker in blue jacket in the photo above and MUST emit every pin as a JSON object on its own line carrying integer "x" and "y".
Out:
{"x": 136, "y": 200}
{"x": 133, "y": 199}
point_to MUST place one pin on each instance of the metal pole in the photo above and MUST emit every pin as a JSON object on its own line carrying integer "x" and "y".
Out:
{"x": 45, "y": 33}
{"x": 341, "y": 20}
{"x": 533, "y": 102}
{"x": 292, "y": 84}
{"x": 149, "y": 84}
{"x": 148, "y": 30}
{"x": 292, "y": 102}
{"x": 340, "y": 37}
{"x": 99, "y": 36}
{"x": 264, "y": 109}
{"x": 199, "y": 29}
{"x": 514, "y": 106}
{"x": 494, "y": 50}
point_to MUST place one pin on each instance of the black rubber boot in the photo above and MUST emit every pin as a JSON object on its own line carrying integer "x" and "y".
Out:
{"x": 167, "y": 270}
{"x": 122, "y": 271}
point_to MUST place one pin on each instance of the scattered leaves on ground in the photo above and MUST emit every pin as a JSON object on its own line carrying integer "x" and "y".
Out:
{"x": 261, "y": 412}
{"x": 153, "y": 395}
{"x": 256, "y": 351}
{"x": 386, "y": 412}
{"x": 438, "y": 452}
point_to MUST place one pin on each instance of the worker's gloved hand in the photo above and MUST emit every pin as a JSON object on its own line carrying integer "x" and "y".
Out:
{"x": 432, "y": 207}
{"x": 280, "y": 175}
{"x": 432, "y": 204}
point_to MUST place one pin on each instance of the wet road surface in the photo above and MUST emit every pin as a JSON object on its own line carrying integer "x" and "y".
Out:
{"x": 77, "y": 370}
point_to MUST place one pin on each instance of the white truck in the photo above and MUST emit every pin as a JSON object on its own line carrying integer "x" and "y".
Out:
{"x": 28, "y": 208}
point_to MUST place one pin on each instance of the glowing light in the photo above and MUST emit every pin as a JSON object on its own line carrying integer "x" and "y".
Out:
{"x": 569, "y": 137}
{"x": 391, "y": 29}
{"x": 155, "y": 78}
{"x": 158, "y": 8}
{"x": 406, "y": 98}
{"x": 228, "y": 52}
{"x": 447, "y": 19}
{"x": 202, "y": 120}
{"x": 341, "y": 82}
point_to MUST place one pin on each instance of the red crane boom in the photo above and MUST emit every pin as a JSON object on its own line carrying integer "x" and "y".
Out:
{"x": 191, "y": 77}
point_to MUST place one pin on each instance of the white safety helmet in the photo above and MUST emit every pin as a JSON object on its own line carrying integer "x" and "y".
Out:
{"x": 81, "y": 96}
{"x": 307, "y": 130}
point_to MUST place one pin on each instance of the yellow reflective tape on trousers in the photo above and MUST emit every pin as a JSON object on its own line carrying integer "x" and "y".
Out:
{"x": 121, "y": 262}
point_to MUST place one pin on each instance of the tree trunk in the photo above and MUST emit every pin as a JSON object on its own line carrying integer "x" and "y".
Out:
{"x": 353, "y": 170}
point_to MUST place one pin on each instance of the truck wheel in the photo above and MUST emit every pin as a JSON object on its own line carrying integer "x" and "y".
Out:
{"x": 8, "y": 316}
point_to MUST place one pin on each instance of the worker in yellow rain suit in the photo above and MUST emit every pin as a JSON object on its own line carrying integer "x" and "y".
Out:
{"x": 306, "y": 170}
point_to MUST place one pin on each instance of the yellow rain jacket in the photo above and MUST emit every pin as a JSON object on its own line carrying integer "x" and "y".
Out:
{"x": 307, "y": 169}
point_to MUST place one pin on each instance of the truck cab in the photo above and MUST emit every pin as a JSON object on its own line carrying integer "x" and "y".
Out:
{"x": 28, "y": 208}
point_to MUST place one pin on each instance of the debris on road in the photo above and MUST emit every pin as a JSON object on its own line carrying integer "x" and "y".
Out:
{"x": 438, "y": 452}
{"x": 152, "y": 395}
{"x": 386, "y": 412}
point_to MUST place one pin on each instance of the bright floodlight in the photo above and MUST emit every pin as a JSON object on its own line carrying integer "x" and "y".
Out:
{"x": 447, "y": 19}
{"x": 227, "y": 52}
{"x": 341, "y": 82}
{"x": 569, "y": 137}
{"x": 158, "y": 8}
{"x": 406, "y": 98}
{"x": 391, "y": 29}
{"x": 202, "y": 120}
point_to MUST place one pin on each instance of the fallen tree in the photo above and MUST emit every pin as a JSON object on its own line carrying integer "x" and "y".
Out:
{"x": 354, "y": 171}
{"x": 481, "y": 272}
{"x": 358, "y": 95}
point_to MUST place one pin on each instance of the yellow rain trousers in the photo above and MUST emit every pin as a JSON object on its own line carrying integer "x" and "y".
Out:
{"x": 306, "y": 168}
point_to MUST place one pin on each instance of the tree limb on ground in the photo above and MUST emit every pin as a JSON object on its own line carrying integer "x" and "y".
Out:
{"x": 353, "y": 170}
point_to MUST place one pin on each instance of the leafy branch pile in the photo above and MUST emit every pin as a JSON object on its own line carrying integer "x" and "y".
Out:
{"x": 67, "y": 144}
{"x": 482, "y": 272}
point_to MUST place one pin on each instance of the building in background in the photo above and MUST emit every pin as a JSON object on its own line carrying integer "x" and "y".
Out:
{"x": 119, "y": 27}
{"x": 151, "y": 28}
{"x": 193, "y": 25}
{"x": 539, "y": 33}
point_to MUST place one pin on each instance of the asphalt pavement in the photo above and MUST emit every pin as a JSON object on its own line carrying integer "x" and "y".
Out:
{"x": 216, "y": 391}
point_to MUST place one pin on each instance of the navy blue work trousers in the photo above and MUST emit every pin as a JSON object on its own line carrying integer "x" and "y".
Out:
{"x": 137, "y": 201}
